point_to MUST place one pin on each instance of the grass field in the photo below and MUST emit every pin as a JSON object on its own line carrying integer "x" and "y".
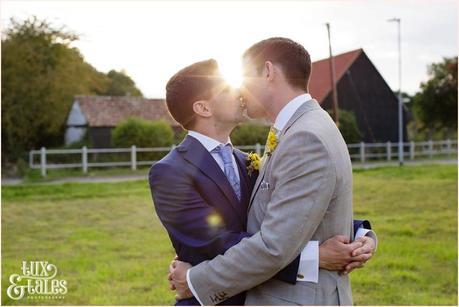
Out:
{"x": 34, "y": 175}
{"x": 110, "y": 247}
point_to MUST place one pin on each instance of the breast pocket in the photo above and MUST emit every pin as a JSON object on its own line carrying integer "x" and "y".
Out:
{"x": 261, "y": 200}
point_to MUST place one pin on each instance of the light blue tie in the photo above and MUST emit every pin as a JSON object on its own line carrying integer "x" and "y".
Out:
{"x": 226, "y": 152}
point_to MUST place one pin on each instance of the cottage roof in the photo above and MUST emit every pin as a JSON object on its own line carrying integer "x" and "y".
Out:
{"x": 108, "y": 111}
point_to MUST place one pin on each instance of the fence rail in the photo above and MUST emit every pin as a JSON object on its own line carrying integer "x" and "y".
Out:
{"x": 86, "y": 158}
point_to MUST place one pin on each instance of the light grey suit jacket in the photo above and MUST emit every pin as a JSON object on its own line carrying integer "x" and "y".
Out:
{"x": 303, "y": 193}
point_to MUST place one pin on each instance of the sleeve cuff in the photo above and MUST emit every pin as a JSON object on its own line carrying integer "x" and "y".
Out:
{"x": 308, "y": 269}
{"x": 188, "y": 281}
{"x": 361, "y": 232}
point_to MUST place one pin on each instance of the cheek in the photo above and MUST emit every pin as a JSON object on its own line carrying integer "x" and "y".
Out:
{"x": 237, "y": 110}
{"x": 228, "y": 109}
{"x": 256, "y": 101}
{"x": 253, "y": 109}
{"x": 257, "y": 94}
{"x": 253, "y": 112}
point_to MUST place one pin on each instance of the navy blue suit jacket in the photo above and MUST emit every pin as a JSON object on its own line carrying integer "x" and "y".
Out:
{"x": 199, "y": 209}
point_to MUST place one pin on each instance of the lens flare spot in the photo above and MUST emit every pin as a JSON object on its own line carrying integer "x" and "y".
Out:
{"x": 214, "y": 220}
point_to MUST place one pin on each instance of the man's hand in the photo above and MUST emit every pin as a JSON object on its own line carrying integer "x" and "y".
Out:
{"x": 177, "y": 279}
{"x": 169, "y": 276}
{"x": 361, "y": 255}
{"x": 336, "y": 253}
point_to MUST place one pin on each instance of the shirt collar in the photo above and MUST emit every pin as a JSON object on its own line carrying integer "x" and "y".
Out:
{"x": 289, "y": 109}
{"x": 208, "y": 142}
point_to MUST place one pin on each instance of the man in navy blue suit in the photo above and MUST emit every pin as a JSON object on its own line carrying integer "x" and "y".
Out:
{"x": 202, "y": 188}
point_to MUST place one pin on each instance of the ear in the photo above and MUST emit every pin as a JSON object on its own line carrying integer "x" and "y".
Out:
{"x": 201, "y": 108}
{"x": 269, "y": 71}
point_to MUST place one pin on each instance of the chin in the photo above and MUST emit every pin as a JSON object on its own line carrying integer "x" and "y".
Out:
{"x": 244, "y": 118}
{"x": 254, "y": 114}
{"x": 239, "y": 120}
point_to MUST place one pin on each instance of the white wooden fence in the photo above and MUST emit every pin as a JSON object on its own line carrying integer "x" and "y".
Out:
{"x": 361, "y": 152}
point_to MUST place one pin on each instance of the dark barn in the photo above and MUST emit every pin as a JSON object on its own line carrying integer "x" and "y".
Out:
{"x": 362, "y": 90}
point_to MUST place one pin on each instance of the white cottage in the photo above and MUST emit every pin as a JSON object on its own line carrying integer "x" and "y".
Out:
{"x": 98, "y": 115}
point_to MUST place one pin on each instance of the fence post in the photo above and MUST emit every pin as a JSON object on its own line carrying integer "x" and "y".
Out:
{"x": 43, "y": 161}
{"x": 430, "y": 148}
{"x": 258, "y": 149}
{"x": 362, "y": 152}
{"x": 389, "y": 151}
{"x": 30, "y": 159}
{"x": 84, "y": 159}
{"x": 133, "y": 157}
{"x": 412, "y": 148}
{"x": 448, "y": 147}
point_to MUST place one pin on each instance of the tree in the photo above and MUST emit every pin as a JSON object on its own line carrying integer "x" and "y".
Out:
{"x": 348, "y": 127}
{"x": 180, "y": 135}
{"x": 32, "y": 92}
{"x": 142, "y": 133}
{"x": 120, "y": 84}
{"x": 41, "y": 73}
{"x": 435, "y": 106}
{"x": 250, "y": 134}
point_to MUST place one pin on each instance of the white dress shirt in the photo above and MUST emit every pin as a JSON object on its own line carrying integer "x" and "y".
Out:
{"x": 210, "y": 144}
{"x": 309, "y": 259}
{"x": 288, "y": 110}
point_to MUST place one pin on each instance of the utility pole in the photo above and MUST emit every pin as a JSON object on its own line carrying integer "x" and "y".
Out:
{"x": 332, "y": 78}
{"x": 400, "y": 99}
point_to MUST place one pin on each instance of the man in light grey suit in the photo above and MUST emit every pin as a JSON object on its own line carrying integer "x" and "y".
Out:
{"x": 303, "y": 192}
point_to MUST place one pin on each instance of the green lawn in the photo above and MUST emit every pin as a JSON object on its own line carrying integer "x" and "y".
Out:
{"x": 107, "y": 242}
{"x": 34, "y": 175}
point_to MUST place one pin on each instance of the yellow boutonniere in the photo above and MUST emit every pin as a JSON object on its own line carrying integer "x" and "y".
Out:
{"x": 253, "y": 163}
{"x": 272, "y": 142}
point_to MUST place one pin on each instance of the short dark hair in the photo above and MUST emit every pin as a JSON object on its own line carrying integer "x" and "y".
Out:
{"x": 190, "y": 84}
{"x": 290, "y": 55}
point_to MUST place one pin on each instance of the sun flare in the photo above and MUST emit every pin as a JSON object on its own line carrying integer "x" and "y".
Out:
{"x": 231, "y": 71}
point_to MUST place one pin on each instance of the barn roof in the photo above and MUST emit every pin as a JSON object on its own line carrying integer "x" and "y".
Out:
{"x": 320, "y": 83}
{"x": 108, "y": 111}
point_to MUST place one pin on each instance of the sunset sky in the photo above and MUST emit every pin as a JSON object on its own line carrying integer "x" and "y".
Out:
{"x": 151, "y": 40}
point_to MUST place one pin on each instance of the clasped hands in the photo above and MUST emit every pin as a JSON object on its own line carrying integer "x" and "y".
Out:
{"x": 335, "y": 254}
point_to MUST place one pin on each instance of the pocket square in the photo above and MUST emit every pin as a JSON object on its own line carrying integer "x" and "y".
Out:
{"x": 264, "y": 185}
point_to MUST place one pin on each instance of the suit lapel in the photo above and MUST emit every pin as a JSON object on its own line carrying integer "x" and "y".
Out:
{"x": 259, "y": 180}
{"x": 196, "y": 154}
{"x": 241, "y": 159}
{"x": 304, "y": 108}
